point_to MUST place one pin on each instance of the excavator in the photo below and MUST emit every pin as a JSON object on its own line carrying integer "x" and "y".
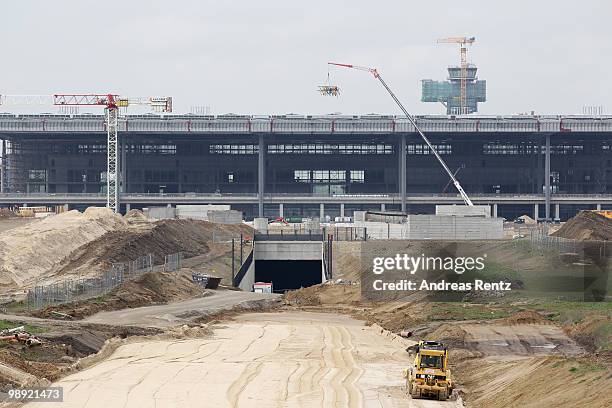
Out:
{"x": 430, "y": 375}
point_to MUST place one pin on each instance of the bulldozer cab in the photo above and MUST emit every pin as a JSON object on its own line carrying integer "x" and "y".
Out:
{"x": 429, "y": 360}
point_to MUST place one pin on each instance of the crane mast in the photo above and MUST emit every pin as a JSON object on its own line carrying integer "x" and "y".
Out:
{"x": 112, "y": 103}
{"x": 377, "y": 75}
{"x": 462, "y": 41}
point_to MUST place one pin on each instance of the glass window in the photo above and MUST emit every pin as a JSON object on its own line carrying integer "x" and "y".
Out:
{"x": 431, "y": 361}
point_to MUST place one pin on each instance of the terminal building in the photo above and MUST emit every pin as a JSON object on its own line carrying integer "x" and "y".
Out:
{"x": 312, "y": 166}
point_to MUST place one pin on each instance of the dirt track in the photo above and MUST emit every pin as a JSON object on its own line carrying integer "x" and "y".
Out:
{"x": 289, "y": 359}
{"x": 177, "y": 313}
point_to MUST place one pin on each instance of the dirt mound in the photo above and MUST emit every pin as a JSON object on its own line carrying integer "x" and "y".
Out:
{"x": 586, "y": 226}
{"x": 528, "y": 220}
{"x": 594, "y": 332}
{"x": 325, "y": 295}
{"x": 34, "y": 251}
{"x": 524, "y": 317}
{"x": 159, "y": 238}
{"x": 449, "y": 334}
{"x": 6, "y": 213}
{"x": 303, "y": 297}
{"x": 135, "y": 216}
{"x": 150, "y": 288}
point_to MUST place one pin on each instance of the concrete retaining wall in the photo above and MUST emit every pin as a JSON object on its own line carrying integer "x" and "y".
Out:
{"x": 260, "y": 224}
{"x": 198, "y": 212}
{"x": 225, "y": 217}
{"x": 288, "y": 251}
{"x": 248, "y": 280}
{"x": 435, "y": 227}
{"x": 440, "y": 227}
{"x": 464, "y": 210}
{"x": 160, "y": 213}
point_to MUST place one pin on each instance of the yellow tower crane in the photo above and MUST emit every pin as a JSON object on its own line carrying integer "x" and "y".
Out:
{"x": 462, "y": 41}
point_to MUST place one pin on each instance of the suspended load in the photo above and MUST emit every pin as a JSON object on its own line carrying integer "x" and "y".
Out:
{"x": 329, "y": 90}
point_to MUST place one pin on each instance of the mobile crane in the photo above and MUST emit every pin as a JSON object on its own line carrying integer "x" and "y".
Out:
{"x": 376, "y": 75}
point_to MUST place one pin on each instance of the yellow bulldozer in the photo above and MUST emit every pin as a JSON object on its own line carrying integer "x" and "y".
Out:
{"x": 430, "y": 375}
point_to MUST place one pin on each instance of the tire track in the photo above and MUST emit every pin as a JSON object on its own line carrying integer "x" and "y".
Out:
{"x": 237, "y": 387}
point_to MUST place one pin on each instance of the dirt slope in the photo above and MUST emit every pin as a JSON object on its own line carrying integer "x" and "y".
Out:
{"x": 158, "y": 238}
{"x": 535, "y": 382}
{"x": 33, "y": 250}
{"x": 586, "y": 226}
{"x": 148, "y": 289}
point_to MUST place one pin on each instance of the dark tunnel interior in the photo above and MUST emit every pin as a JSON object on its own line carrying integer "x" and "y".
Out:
{"x": 288, "y": 275}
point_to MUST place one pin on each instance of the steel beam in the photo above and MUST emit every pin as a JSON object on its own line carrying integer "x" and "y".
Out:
{"x": 547, "y": 178}
{"x": 261, "y": 175}
{"x": 402, "y": 171}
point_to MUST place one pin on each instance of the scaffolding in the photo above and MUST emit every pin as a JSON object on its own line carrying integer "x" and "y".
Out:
{"x": 450, "y": 92}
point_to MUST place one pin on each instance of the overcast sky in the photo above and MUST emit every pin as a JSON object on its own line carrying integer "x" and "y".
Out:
{"x": 267, "y": 57}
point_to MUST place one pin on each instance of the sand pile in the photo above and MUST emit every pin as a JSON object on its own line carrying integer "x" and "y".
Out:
{"x": 35, "y": 250}
{"x": 6, "y": 213}
{"x": 149, "y": 288}
{"x": 525, "y": 317}
{"x": 135, "y": 216}
{"x": 528, "y": 220}
{"x": 586, "y": 226}
{"x": 160, "y": 238}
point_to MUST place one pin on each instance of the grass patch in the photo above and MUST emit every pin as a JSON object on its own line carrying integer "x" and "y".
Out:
{"x": 573, "y": 312}
{"x": 5, "y": 324}
{"x": 585, "y": 367}
{"x": 466, "y": 311}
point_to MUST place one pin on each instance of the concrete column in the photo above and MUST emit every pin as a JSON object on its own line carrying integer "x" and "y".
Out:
{"x": 281, "y": 210}
{"x": 547, "y": 178}
{"x": 122, "y": 165}
{"x": 322, "y": 212}
{"x": 536, "y": 208}
{"x": 382, "y": 207}
{"x": 402, "y": 170}
{"x": 66, "y": 207}
{"x": 598, "y": 207}
{"x": 169, "y": 205}
{"x": 261, "y": 175}
{"x": 557, "y": 211}
{"x": 3, "y": 175}
{"x": 342, "y": 210}
{"x": 494, "y": 211}
{"x": 128, "y": 207}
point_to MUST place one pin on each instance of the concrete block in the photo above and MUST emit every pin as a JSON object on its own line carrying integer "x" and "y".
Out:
{"x": 464, "y": 210}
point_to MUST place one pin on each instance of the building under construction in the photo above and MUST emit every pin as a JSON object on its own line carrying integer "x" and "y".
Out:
{"x": 448, "y": 93}
{"x": 312, "y": 165}
{"x": 462, "y": 92}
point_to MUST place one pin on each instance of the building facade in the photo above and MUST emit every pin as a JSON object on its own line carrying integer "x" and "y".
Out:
{"x": 311, "y": 160}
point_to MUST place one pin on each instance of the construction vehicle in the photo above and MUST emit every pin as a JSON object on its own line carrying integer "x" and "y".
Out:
{"x": 430, "y": 375}
{"x": 603, "y": 213}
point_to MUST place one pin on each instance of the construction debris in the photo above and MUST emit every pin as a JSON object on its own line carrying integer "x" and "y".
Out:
{"x": 19, "y": 335}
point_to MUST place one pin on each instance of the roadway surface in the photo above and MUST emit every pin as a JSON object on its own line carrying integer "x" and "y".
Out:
{"x": 290, "y": 359}
{"x": 159, "y": 316}
{"x": 177, "y": 313}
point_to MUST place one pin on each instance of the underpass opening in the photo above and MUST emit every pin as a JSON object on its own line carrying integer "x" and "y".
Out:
{"x": 289, "y": 274}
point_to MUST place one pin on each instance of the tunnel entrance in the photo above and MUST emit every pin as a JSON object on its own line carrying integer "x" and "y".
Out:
{"x": 288, "y": 275}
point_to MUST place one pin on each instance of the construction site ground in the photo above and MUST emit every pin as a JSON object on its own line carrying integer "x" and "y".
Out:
{"x": 162, "y": 340}
{"x": 290, "y": 359}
